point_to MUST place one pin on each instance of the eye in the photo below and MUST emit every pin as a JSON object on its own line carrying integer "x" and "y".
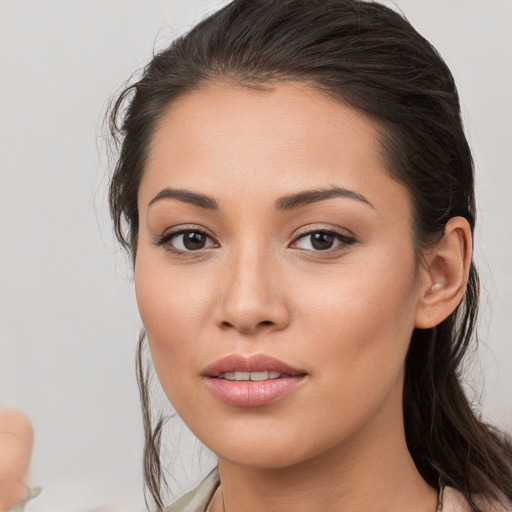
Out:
{"x": 322, "y": 240}
{"x": 186, "y": 240}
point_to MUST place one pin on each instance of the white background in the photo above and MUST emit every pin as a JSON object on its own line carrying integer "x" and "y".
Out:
{"x": 68, "y": 323}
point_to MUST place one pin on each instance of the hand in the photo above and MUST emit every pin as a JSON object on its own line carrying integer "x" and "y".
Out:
{"x": 16, "y": 438}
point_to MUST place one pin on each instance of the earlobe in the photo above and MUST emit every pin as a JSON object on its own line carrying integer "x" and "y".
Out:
{"x": 445, "y": 274}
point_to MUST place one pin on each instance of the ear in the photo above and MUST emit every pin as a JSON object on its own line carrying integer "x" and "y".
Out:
{"x": 444, "y": 275}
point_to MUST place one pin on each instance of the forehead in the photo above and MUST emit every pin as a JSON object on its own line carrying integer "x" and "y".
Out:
{"x": 291, "y": 137}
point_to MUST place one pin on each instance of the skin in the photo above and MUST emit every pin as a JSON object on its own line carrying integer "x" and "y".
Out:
{"x": 344, "y": 315}
{"x": 16, "y": 439}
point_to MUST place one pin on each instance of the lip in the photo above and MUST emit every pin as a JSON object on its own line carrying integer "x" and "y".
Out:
{"x": 252, "y": 393}
{"x": 250, "y": 363}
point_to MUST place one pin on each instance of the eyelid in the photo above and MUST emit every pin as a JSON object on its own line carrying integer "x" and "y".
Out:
{"x": 345, "y": 237}
{"x": 164, "y": 239}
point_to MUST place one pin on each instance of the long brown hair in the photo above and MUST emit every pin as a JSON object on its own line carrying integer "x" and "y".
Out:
{"x": 368, "y": 56}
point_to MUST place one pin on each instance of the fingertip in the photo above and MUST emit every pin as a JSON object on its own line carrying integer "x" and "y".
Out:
{"x": 14, "y": 422}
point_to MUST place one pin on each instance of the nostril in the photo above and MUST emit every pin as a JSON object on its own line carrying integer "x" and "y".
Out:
{"x": 264, "y": 323}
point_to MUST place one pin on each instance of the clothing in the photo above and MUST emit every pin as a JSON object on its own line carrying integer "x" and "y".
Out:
{"x": 450, "y": 500}
{"x": 197, "y": 500}
{"x": 454, "y": 501}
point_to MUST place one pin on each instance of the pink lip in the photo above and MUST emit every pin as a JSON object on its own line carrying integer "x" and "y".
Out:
{"x": 252, "y": 393}
{"x": 251, "y": 363}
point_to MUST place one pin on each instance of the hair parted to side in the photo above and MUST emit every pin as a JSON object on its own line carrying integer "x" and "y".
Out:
{"x": 369, "y": 57}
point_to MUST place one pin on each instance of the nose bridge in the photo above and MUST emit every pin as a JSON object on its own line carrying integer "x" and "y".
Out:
{"x": 252, "y": 297}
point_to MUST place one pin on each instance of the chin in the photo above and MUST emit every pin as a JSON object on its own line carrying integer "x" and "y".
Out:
{"x": 272, "y": 448}
{"x": 263, "y": 457}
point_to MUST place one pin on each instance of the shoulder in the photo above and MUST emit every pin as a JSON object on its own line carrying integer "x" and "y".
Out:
{"x": 197, "y": 499}
{"x": 454, "y": 501}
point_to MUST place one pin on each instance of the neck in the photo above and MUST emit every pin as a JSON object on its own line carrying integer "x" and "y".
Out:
{"x": 372, "y": 470}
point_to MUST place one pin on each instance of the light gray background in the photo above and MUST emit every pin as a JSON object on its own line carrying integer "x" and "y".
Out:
{"x": 68, "y": 322}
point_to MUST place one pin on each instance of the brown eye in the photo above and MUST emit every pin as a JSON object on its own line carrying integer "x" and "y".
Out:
{"x": 322, "y": 241}
{"x": 193, "y": 240}
{"x": 186, "y": 241}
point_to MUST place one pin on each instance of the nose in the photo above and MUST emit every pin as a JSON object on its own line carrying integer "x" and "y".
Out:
{"x": 252, "y": 294}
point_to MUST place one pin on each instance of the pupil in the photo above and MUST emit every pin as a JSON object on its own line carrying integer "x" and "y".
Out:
{"x": 322, "y": 241}
{"x": 193, "y": 240}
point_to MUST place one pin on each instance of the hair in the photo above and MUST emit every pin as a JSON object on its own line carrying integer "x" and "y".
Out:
{"x": 369, "y": 57}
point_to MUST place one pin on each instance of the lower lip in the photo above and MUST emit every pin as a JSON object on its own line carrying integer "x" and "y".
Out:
{"x": 249, "y": 393}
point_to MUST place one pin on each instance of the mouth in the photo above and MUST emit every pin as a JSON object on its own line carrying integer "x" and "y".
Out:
{"x": 252, "y": 376}
{"x": 251, "y": 367}
{"x": 252, "y": 381}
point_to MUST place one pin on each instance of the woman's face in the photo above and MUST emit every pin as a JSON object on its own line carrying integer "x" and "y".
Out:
{"x": 274, "y": 247}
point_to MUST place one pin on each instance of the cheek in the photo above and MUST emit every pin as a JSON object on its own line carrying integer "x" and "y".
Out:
{"x": 171, "y": 308}
{"x": 169, "y": 299}
{"x": 360, "y": 329}
{"x": 362, "y": 322}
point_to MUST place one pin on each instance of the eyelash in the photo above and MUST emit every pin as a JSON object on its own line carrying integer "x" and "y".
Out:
{"x": 344, "y": 239}
{"x": 164, "y": 241}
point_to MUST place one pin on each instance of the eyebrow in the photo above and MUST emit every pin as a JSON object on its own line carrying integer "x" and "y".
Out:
{"x": 300, "y": 199}
{"x": 285, "y": 203}
{"x": 201, "y": 200}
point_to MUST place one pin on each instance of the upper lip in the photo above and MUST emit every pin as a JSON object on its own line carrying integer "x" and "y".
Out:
{"x": 250, "y": 363}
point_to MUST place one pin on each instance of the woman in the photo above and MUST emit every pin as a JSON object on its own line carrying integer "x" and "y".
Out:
{"x": 296, "y": 190}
